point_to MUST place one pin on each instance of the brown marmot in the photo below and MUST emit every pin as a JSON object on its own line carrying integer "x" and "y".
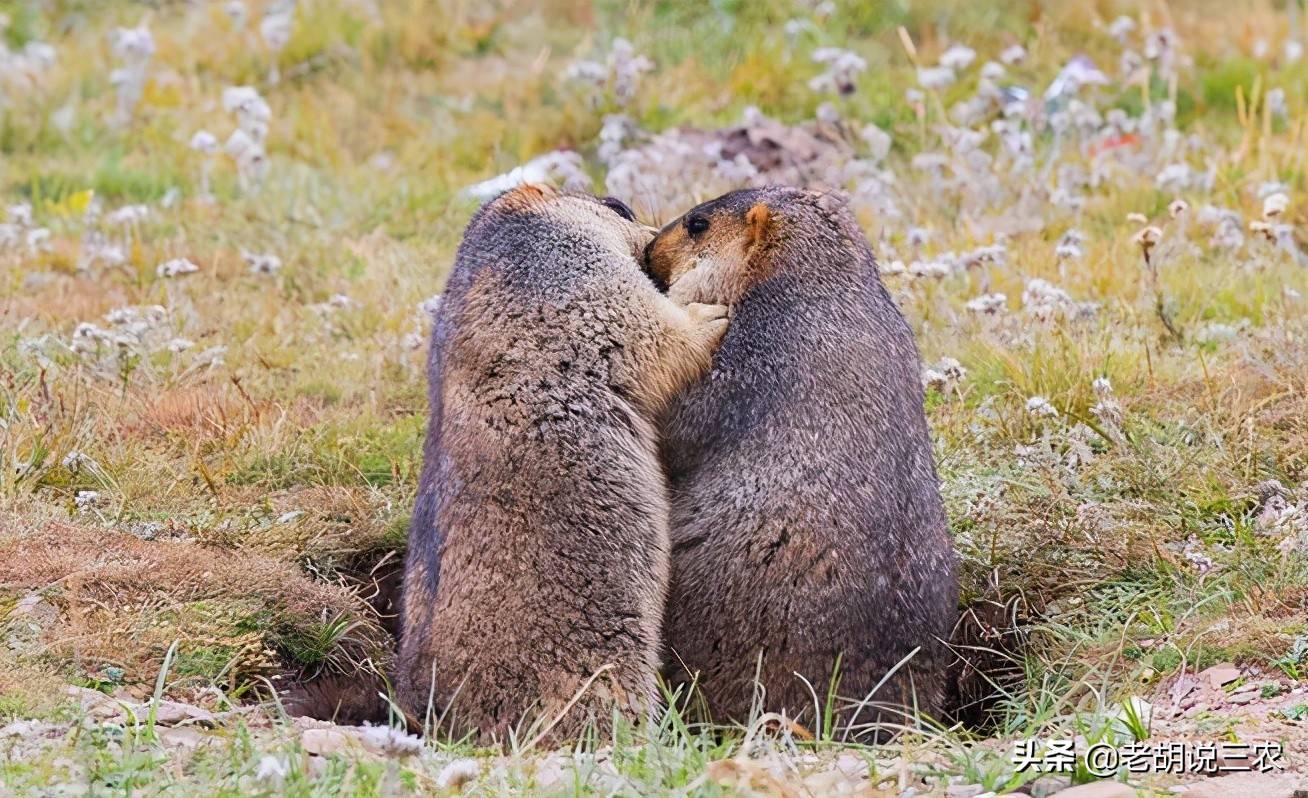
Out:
{"x": 537, "y": 566}
{"x": 807, "y": 523}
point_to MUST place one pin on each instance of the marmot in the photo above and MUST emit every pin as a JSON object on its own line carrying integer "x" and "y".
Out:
{"x": 807, "y": 524}
{"x": 537, "y": 565}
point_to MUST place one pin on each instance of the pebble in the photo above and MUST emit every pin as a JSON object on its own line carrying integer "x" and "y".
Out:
{"x": 324, "y": 742}
{"x": 1219, "y": 675}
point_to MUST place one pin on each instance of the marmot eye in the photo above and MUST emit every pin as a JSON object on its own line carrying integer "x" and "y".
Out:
{"x": 620, "y": 208}
{"x": 696, "y": 224}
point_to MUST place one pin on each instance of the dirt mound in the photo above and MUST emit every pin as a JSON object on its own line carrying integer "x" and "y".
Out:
{"x": 112, "y": 604}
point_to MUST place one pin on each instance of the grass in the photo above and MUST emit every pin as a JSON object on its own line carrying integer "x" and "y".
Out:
{"x": 261, "y": 471}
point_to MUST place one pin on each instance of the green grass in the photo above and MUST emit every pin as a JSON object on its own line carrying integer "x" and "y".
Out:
{"x": 303, "y": 445}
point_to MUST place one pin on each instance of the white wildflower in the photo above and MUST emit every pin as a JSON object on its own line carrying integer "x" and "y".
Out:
{"x": 128, "y": 215}
{"x": 38, "y": 240}
{"x": 1121, "y": 27}
{"x": 75, "y": 461}
{"x": 936, "y": 269}
{"x": 176, "y": 267}
{"x": 935, "y": 78}
{"x": 842, "y": 70}
{"x": 1044, "y": 300}
{"x": 177, "y": 345}
{"x": 958, "y": 57}
{"x": 457, "y": 773}
{"x": 86, "y": 500}
{"x": 133, "y": 47}
{"x": 1174, "y": 177}
{"x": 1276, "y": 103}
{"x": 20, "y": 214}
{"x": 431, "y": 306}
{"x": 1193, "y": 551}
{"x": 627, "y": 67}
{"x": 987, "y": 304}
{"x": 1069, "y": 245}
{"x": 266, "y": 263}
{"x": 1275, "y": 205}
{"x": 390, "y": 741}
{"x": 236, "y": 12}
{"x": 272, "y": 769}
{"x": 917, "y": 236}
{"x": 1040, "y": 407}
{"x": 205, "y": 142}
{"x": 339, "y": 301}
{"x": 1218, "y": 332}
{"x": 1013, "y": 54}
{"x": 277, "y": 24}
{"x": 562, "y": 167}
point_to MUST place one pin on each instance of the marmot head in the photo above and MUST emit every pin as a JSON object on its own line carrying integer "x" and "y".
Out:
{"x": 534, "y": 207}
{"x": 719, "y": 250}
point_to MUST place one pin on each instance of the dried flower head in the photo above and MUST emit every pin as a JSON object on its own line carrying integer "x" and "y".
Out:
{"x": 1275, "y": 204}
{"x": 1147, "y": 238}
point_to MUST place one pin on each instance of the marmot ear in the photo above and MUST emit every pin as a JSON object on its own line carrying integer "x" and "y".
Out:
{"x": 758, "y": 220}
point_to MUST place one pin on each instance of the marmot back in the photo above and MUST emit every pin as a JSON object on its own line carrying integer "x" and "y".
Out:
{"x": 537, "y": 564}
{"x": 807, "y": 524}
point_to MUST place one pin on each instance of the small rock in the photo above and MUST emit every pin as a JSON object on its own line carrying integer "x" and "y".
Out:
{"x": 35, "y": 610}
{"x": 323, "y": 742}
{"x": 964, "y": 791}
{"x": 1098, "y": 789}
{"x": 87, "y": 697}
{"x": 1183, "y": 689}
{"x": 1219, "y": 675}
{"x": 25, "y": 728}
{"x": 1243, "y": 698}
{"x": 172, "y": 713}
{"x": 183, "y": 737}
{"x": 1046, "y": 786}
{"x": 851, "y": 764}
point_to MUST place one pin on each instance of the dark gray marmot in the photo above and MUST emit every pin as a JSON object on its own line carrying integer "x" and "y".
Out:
{"x": 807, "y": 524}
{"x": 537, "y": 566}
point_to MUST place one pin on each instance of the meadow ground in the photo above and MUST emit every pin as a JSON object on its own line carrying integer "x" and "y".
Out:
{"x": 212, "y": 335}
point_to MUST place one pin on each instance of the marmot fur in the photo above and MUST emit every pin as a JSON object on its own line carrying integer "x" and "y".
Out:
{"x": 536, "y": 572}
{"x": 807, "y": 525}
